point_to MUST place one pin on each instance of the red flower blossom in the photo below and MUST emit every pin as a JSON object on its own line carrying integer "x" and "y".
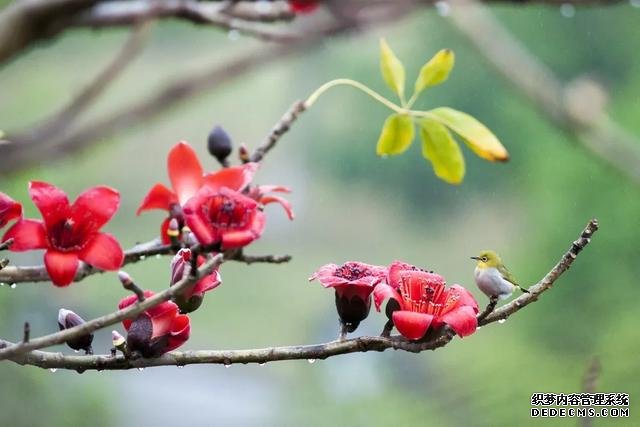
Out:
{"x": 191, "y": 299}
{"x": 187, "y": 177}
{"x": 353, "y": 283}
{"x": 424, "y": 302}
{"x": 259, "y": 194}
{"x": 69, "y": 233}
{"x": 157, "y": 330}
{"x": 9, "y": 209}
{"x": 303, "y": 6}
{"x": 224, "y": 217}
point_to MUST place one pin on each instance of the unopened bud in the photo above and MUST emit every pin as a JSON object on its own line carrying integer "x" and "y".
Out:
{"x": 174, "y": 228}
{"x": 128, "y": 284}
{"x": 118, "y": 340}
{"x": 180, "y": 262}
{"x": 243, "y": 153}
{"x": 219, "y": 144}
{"x": 68, "y": 319}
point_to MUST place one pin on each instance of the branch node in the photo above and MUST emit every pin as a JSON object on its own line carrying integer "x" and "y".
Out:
{"x": 129, "y": 285}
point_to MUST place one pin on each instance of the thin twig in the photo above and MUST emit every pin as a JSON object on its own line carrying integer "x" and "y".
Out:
{"x": 278, "y": 130}
{"x": 6, "y": 244}
{"x": 589, "y": 385}
{"x": 26, "y": 332}
{"x": 493, "y": 301}
{"x": 310, "y": 352}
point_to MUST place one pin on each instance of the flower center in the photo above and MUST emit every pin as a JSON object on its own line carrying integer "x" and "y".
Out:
{"x": 351, "y": 272}
{"x": 67, "y": 236}
{"x": 224, "y": 212}
{"x": 424, "y": 297}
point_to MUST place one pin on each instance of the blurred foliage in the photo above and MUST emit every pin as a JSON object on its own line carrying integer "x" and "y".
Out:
{"x": 350, "y": 205}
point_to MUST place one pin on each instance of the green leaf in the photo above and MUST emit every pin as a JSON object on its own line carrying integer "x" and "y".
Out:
{"x": 439, "y": 147}
{"x": 436, "y": 70}
{"x": 392, "y": 69}
{"x": 476, "y": 135}
{"x": 396, "y": 136}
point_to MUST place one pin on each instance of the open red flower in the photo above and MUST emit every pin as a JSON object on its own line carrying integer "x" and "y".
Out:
{"x": 187, "y": 177}
{"x": 260, "y": 193}
{"x": 191, "y": 299}
{"x": 157, "y": 330}
{"x": 69, "y": 233}
{"x": 353, "y": 283}
{"x": 425, "y": 302}
{"x": 224, "y": 217}
{"x": 9, "y": 209}
{"x": 303, "y": 6}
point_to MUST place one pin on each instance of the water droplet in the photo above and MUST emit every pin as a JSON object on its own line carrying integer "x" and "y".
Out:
{"x": 158, "y": 256}
{"x": 227, "y": 365}
{"x": 76, "y": 351}
{"x": 2, "y": 283}
{"x": 143, "y": 257}
{"x": 233, "y": 35}
{"x": 567, "y": 10}
{"x": 180, "y": 366}
{"x": 311, "y": 360}
{"x": 478, "y": 328}
{"x": 634, "y": 3}
{"x": 13, "y": 286}
{"x": 501, "y": 321}
{"x": 140, "y": 369}
{"x": 262, "y": 363}
{"x": 443, "y": 8}
{"x": 53, "y": 369}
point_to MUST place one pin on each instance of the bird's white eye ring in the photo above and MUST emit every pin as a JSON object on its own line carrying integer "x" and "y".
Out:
{"x": 484, "y": 259}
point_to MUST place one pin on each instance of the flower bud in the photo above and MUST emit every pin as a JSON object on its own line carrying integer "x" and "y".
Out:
{"x": 117, "y": 339}
{"x": 243, "y": 153}
{"x": 68, "y": 319}
{"x": 174, "y": 228}
{"x": 180, "y": 262}
{"x": 219, "y": 144}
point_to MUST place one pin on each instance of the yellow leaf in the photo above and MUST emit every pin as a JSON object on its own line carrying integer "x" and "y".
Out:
{"x": 392, "y": 69}
{"x": 476, "y": 135}
{"x": 436, "y": 70}
{"x": 396, "y": 136}
{"x": 439, "y": 147}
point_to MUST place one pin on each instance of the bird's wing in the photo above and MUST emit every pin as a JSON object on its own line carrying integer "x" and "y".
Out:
{"x": 506, "y": 275}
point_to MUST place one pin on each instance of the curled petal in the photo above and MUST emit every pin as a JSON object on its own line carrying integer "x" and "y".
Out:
{"x": 284, "y": 203}
{"x": 159, "y": 197}
{"x": 465, "y": 297}
{"x": 61, "y": 266}
{"x": 52, "y": 202}
{"x": 235, "y": 178}
{"x": 382, "y": 292}
{"x": 9, "y": 209}
{"x": 264, "y": 189}
{"x": 126, "y": 302}
{"x": 27, "y": 234}
{"x": 104, "y": 252}
{"x": 161, "y": 316}
{"x": 185, "y": 171}
{"x": 410, "y": 324}
{"x": 198, "y": 222}
{"x": 239, "y": 238}
{"x": 462, "y": 320}
{"x": 206, "y": 284}
{"x": 180, "y": 331}
{"x": 94, "y": 208}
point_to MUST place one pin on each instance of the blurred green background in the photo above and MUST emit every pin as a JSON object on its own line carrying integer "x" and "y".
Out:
{"x": 350, "y": 205}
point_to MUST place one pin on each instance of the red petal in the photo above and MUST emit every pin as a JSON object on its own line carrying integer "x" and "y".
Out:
{"x": 196, "y": 220}
{"x": 395, "y": 269}
{"x": 240, "y": 238}
{"x": 162, "y": 316}
{"x": 462, "y": 320}
{"x": 303, "y": 6}
{"x": 180, "y": 331}
{"x": 27, "y": 234}
{"x": 185, "y": 171}
{"x": 159, "y": 197}
{"x": 410, "y": 324}
{"x": 382, "y": 292}
{"x": 465, "y": 297}
{"x": 235, "y": 178}
{"x": 50, "y": 201}
{"x": 94, "y": 207}
{"x": 164, "y": 227}
{"x": 104, "y": 252}
{"x": 126, "y": 302}
{"x": 207, "y": 283}
{"x": 284, "y": 203}
{"x": 9, "y": 209}
{"x": 61, "y": 266}
{"x": 264, "y": 189}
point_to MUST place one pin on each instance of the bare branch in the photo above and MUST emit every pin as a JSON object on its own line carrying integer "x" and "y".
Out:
{"x": 278, "y": 130}
{"x": 6, "y": 244}
{"x": 310, "y": 352}
{"x": 493, "y": 301}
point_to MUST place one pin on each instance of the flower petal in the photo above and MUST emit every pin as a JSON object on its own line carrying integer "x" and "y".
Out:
{"x": 465, "y": 297}
{"x": 104, "y": 252}
{"x": 410, "y": 324}
{"x": 185, "y": 171}
{"x": 94, "y": 207}
{"x": 264, "y": 189}
{"x": 9, "y": 209}
{"x": 196, "y": 219}
{"x": 382, "y": 292}
{"x": 159, "y": 197}
{"x": 27, "y": 234}
{"x": 180, "y": 331}
{"x": 161, "y": 316}
{"x": 61, "y": 266}
{"x": 52, "y": 202}
{"x": 126, "y": 302}
{"x": 284, "y": 203}
{"x": 240, "y": 238}
{"x": 235, "y": 178}
{"x": 205, "y": 284}
{"x": 462, "y": 320}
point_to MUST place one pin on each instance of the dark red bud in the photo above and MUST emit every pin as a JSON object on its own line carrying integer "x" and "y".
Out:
{"x": 219, "y": 144}
{"x": 68, "y": 319}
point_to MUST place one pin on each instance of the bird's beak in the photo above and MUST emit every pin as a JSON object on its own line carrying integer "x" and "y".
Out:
{"x": 475, "y": 257}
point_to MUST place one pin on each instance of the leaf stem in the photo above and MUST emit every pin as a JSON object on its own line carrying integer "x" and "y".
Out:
{"x": 348, "y": 82}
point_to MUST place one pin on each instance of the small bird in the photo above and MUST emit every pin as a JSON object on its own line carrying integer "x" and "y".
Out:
{"x": 492, "y": 277}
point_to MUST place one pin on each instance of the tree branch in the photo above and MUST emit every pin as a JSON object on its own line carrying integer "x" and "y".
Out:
{"x": 278, "y": 130}
{"x": 441, "y": 338}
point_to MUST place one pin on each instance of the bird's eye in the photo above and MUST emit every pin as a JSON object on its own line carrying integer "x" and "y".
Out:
{"x": 484, "y": 259}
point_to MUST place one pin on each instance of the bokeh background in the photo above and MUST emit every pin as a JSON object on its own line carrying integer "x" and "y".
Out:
{"x": 350, "y": 204}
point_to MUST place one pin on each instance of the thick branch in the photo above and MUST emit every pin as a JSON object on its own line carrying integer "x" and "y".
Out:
{"x": 310, "y": 352}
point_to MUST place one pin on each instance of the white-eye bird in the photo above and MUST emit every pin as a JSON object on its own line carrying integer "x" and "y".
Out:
{"x": 492, "y": 277}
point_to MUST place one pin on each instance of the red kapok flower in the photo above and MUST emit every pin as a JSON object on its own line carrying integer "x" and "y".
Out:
{"x": 353, "y": 283}
{"x": 224, "y": 217}
{"x": 187, "y": 177}
{"x": 9, "y": 209}
{"x": 191, "y": 299}
{"x": 157, "y": 330}
{"x": 425, "y": 302}
{"x": 303, "y": 6}
{"x": 259, "y": 194}
{"x": 69, "y": 233}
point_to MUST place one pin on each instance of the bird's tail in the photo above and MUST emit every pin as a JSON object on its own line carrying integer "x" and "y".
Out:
{"x": 524, "y": 291}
